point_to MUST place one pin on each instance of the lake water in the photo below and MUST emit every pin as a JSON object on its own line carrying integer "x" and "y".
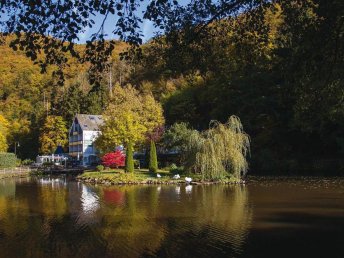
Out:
{"x": 59, "y": 217}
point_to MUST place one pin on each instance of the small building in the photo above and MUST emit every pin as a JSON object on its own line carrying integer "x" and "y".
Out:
{"x": 82, "y": 134}
{"x": 53, "y": 159}
{"x": 59, "y": 157}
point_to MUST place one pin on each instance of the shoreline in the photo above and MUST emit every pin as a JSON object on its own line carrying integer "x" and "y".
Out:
{"x": 141, "y": 179}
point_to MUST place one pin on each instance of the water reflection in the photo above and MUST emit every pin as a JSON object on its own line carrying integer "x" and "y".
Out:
{"x": 60, "y": 218}
{"x": 153, "y": 218}
{"x": 177, "y": 189}
{"x": 55, "y": 217}
{"x": 188, "y": 189}
{"x": 113, "y": 196}
{"x": 89, "y": 200}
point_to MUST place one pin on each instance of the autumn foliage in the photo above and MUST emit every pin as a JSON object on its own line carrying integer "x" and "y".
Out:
{"x": 114, "y": 159}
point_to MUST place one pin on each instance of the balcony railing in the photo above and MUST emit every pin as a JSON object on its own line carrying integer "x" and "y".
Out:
{"x": 75, "y": 143}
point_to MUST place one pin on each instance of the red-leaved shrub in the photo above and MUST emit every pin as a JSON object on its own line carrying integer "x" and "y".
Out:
{"x": 114, "y": 159}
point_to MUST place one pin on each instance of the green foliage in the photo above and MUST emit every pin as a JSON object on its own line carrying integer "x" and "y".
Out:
{"x": 27, "y": 162}
{"x": 100, "y": 168}
{"x": 174, "y": 169}
{"x": 165, "y": 15}
{"x": 18, "y": 162}
{"x": 153, "y": 158}
{"x": 260, "y": 65}
{"x": 289, "y": 96}
{"x": 176, "y": 137}
{"x": 7, "y": 160}
{"x": 136, "y": 163}
{"x": 70, "y": 103}
{"x": 129, "y": 159}
{"x": 220, "y": 149}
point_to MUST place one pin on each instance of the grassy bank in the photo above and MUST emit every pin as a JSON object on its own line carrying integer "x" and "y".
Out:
{"x": 142, "y": 176}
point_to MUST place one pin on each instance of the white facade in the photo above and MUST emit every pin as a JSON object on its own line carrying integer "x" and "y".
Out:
{"x": 82, "y": 134}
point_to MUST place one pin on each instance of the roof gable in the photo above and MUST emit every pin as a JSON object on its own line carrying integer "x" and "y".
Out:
{"x": 89, "y": 122}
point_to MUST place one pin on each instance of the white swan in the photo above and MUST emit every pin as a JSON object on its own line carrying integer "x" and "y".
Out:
{"x": 188, "y": 179}
{"x": 177, "y": 176}
{"x": 158, "y": 175}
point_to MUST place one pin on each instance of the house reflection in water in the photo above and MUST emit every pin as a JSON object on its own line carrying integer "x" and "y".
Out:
{"x": 89, "y": 200}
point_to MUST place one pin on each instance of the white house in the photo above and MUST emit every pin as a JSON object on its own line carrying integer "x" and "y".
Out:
{"x": 82, "y": 134}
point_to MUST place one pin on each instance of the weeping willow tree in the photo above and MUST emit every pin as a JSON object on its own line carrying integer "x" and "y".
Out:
{"x": 219, "y": 151}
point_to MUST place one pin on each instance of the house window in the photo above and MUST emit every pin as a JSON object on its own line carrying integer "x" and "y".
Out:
{"x": 88, "y": 142}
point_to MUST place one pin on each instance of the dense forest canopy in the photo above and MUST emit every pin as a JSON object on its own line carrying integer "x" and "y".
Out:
{"x": 278, "y": 65}
{"x": 51, "y": 28}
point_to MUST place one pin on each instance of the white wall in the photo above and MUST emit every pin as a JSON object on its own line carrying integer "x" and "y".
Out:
{"x": 88, "y": 139}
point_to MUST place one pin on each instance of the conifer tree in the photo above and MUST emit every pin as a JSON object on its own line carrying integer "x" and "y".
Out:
{"x": 129, "y": 160}
{"x": 153, "y": 159}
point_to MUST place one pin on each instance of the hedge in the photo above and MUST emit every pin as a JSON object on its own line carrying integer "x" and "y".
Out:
{"x": 7, "y": 160}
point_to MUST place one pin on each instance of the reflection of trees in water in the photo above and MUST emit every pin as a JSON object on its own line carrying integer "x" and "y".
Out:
{"x": 212, "y": 220}
{"x": 131, "y": 229}
{"x": 177, "y": 220}
{"x": 128, "y": 221}
{"x": 226, "y": 209}
{"x": 7, "y": 188}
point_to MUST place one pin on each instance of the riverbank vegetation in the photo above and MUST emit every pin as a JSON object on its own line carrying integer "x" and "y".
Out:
{"x": 260, "y": 65}
{"x": 7, "y": 160}
{"x": 144, "y": 176}
{"x": 219, "y": 151}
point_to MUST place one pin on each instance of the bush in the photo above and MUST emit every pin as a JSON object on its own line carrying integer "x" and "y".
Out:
{"x": 114, "y": 159}
{"x": 18, "y": 162}
{"x": 27, "y": 162}
{"x": 100, "y": 168}
{"x": 136, "y": 163}
{"x": 7, "y": 160}
{"x": 174, "y": 169}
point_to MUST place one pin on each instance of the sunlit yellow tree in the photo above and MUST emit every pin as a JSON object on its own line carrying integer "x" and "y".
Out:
{"x": 53, "y": 133}
{"x": 4, "y": 124}
{"x": 129, "y": 117}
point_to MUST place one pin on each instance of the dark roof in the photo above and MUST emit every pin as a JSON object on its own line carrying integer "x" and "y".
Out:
{"x": 89, "y": 122}
{"x": 59, "y": 150}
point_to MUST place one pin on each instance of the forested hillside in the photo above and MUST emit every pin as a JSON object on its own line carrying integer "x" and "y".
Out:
{"x": 28, "y": 96}
{"x": 284, "y": 80}
{"x": 285, "y": 84}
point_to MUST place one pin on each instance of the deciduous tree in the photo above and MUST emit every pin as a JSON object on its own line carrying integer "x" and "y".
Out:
{"x": 4, "y": 126}
{"x": 129, "y": 117}
{"x": 53, "y": 133}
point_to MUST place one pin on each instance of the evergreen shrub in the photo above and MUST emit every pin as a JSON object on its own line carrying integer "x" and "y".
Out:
{"x": 7, "y": 160}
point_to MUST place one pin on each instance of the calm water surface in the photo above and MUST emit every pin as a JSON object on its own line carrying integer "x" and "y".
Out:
{"x": 58, "y": 217}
